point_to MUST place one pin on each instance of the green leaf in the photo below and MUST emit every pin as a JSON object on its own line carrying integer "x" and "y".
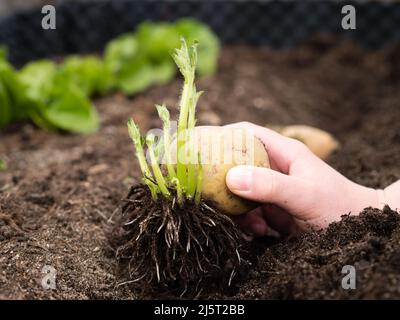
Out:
{"x": 134, "y": 77}
{"x": 59, "y": 95}
{"x": 208, "y": 49}
{"x": 163, "y": 72}
{"x": 143, "y": 59}
{"x": 132, "y": 73}
{"x": 157, "y": 40}
{"x": 138, "y": 76}
{"x": 120, "y": 51}
{"x": 5, "y": 108}
{"x": 70, "y": 110}
{"x": 15, "y": 90}
{"x": 38, "y": 78}
{"x": 89, "y": 74}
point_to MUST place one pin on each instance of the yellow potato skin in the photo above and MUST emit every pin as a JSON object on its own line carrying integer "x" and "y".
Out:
{"x": 215, "y": 167}
{"x": 320, "y": 142}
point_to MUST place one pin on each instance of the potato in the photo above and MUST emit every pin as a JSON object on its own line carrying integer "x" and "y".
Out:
{"x": 320, "y": 142}
{"x": 222, "y": 148}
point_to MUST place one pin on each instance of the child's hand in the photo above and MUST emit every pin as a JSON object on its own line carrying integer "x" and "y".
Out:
{"x": 299, "y": 191}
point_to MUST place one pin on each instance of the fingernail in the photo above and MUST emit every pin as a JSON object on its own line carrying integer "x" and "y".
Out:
{"x": 239, "y": 178}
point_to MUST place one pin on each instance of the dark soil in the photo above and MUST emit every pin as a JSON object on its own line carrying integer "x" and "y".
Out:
{"x": 60, "y": 191}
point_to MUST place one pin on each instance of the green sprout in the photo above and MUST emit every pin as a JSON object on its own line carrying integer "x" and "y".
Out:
{"x": 163, "y": 113}
{"x": 134, "y": 133}
{"x": 186, "y": 178}
{"x": 3, "y": 165}
{"x": 156, "y": 168}
{"x": 199, "y": 185}
{"x": 186, "y": 63}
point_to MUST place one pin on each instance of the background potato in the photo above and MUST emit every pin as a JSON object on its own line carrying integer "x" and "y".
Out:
{"x": 320, "y": 142}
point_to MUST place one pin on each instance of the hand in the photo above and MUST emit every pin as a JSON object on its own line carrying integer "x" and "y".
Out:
{"x": 300, "y": 191}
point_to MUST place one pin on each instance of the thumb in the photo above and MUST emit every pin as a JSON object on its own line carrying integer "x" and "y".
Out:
{"x": 266, "y": 186}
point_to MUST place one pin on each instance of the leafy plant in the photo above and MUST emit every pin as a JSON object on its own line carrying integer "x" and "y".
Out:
{"x": 69, "y": 109}
{"x": 16, "y": 104}
{"x": 56, "y": 96}
{"x": 142, "y": 59}
{"x": 186, "y": 181}
{"x": 89, "y": 74}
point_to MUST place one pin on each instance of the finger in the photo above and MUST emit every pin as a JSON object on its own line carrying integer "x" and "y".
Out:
{"x": 282, "y": 150}
{"x": 390, "y": 196}
{"x": 269, "y": 186}
{"x": 278, "y": 219}
{"x": 252, "y": 223}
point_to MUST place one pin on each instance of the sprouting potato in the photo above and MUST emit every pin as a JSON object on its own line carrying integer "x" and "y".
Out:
{"x": 171, "y": 208}
{"x": 220, "y": 149}
{"x": 320, "y": 142}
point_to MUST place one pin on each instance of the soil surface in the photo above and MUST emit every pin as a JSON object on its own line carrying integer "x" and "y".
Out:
{"x": 60, "y": 191}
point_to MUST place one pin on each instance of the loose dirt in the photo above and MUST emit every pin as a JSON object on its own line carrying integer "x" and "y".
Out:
{"x": 59, "y": 194}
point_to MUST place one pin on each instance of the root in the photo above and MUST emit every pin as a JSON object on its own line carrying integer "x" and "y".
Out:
{"x": 181, "y": 250}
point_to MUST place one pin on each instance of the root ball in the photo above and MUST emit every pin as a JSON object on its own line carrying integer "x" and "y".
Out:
{"x": 180, "y": 249}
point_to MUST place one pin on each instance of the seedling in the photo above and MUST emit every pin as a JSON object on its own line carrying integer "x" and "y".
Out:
{"x": 171, "y": 236}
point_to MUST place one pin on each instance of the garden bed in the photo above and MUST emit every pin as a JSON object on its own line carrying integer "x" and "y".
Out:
{"x": 60, "y": 191}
